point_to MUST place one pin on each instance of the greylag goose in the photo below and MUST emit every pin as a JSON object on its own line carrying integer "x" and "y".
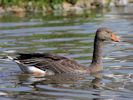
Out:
{"x": 49, "y": 64}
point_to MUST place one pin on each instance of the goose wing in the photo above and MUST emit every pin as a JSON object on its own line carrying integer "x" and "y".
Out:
{"x": 45, "y": 61}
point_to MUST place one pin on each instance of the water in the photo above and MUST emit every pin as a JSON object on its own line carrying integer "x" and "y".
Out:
{"x": 72, "y": 37}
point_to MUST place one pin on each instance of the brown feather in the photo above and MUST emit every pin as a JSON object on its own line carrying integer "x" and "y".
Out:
{"x": 56, "y": 63}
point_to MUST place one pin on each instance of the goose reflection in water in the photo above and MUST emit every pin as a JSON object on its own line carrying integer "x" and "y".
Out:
{"x": 64, "y": 84}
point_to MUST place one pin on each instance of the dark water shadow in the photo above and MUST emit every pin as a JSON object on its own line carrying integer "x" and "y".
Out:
{"x": 81, "y": 85}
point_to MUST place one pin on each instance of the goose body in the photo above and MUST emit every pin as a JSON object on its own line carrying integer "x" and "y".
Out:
{"x": 49, "y": 64}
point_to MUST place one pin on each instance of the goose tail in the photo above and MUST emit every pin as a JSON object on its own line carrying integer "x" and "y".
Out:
{"x": 10, "y": 58}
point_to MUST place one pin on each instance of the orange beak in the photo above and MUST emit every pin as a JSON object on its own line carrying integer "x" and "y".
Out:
{"x": 114, "y": 38}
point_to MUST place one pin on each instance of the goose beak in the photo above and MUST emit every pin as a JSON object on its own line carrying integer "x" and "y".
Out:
{"x": 114, "y": 38}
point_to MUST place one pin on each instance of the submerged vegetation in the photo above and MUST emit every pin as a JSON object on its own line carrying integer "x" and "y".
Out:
{"x": 34, "y": 2}
{"x": 58, "y": 7}
{"x": 48, "y": 6}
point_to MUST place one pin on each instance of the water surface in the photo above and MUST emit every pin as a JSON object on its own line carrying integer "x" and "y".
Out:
{"x": 70, "y": 36}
